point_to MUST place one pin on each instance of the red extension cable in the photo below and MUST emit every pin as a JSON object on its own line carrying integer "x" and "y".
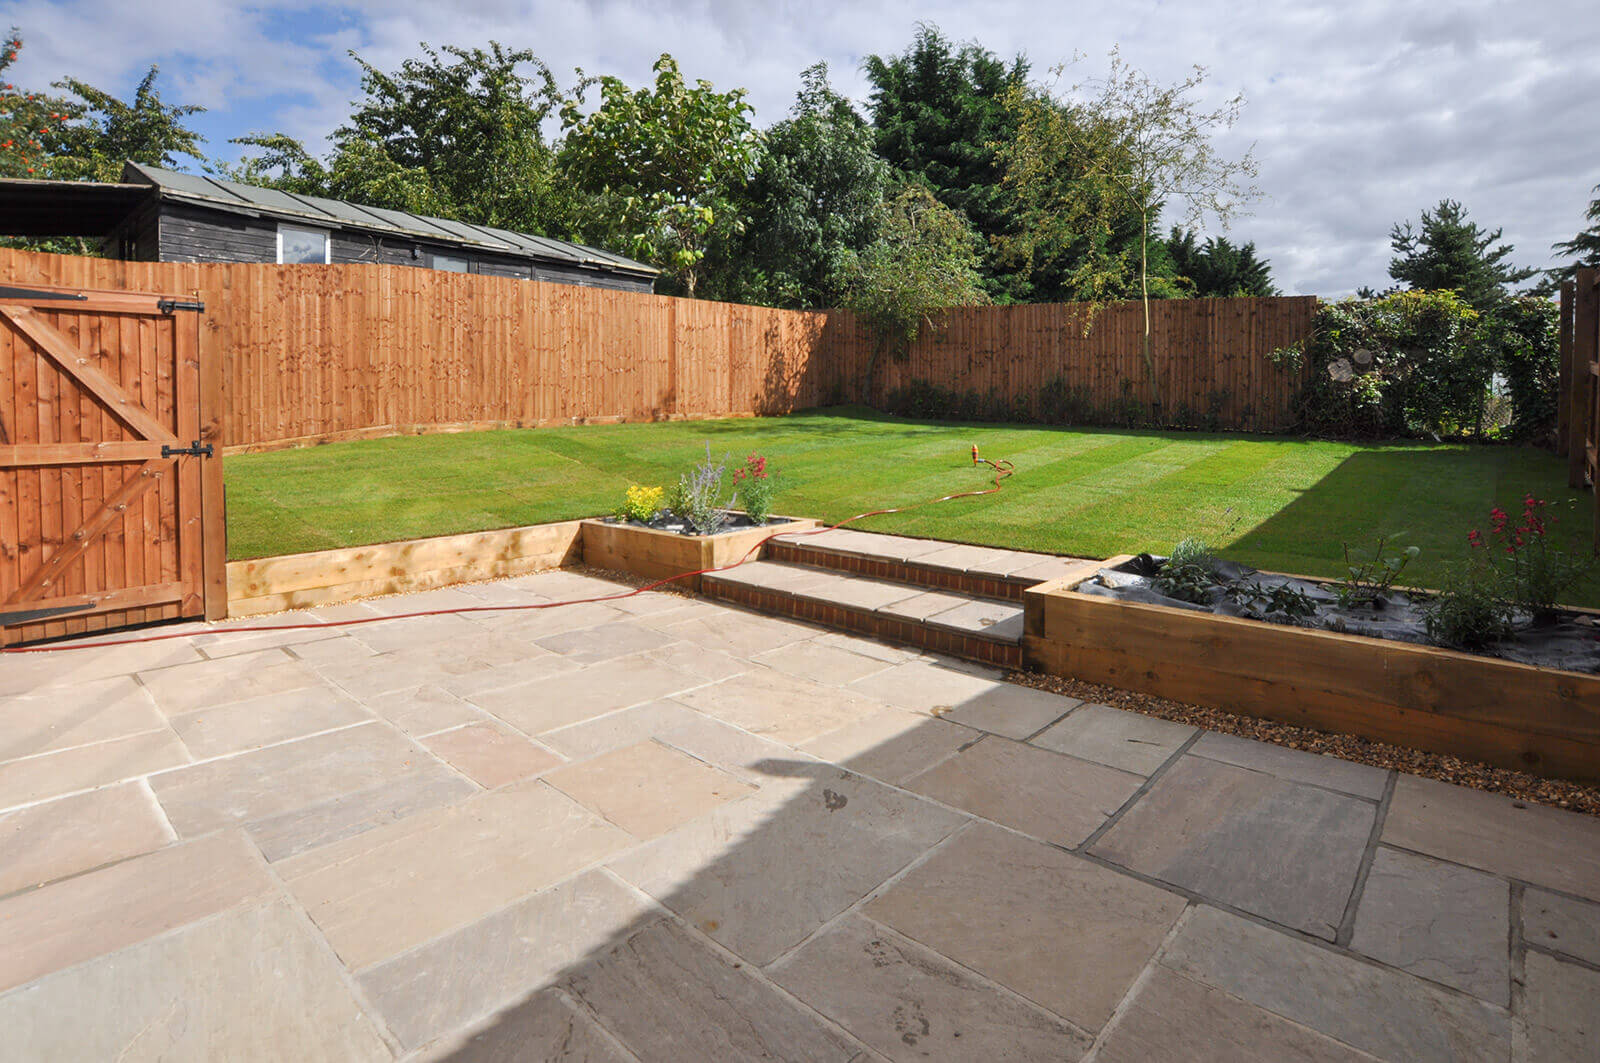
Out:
{"x": 1002, "y": 469}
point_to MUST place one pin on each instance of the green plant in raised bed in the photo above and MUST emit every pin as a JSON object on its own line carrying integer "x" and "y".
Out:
{"x": 1282, "y": 600}
{"x": 701, "y": 488}
{"x": 1190, "y": 573}
{"x": 640, "y": 503}
{"x": 1370, "y": 574}
{"x": 1470, "y": 611}
{"x": 754, "y": 487}
{"x": 1535, "y": 569}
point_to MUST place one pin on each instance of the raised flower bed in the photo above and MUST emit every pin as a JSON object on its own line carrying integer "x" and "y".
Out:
{"x": 659, "y": 552}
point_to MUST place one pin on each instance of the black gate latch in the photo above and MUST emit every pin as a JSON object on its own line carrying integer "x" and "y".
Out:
{"x": 193, "y": 450}
{"x": 167, "y": 306}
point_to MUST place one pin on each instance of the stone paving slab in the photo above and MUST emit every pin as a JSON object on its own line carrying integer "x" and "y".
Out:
{"x": 1295, "y": 765}
{"x": 1054, "y": 928}
{"x": 489, "y": 754}
{"x": 580, "y": 741}
{"x": 1283, "y": 851}
{"x": 1544, "y": 846}
{"x": 80, "y": 768}
{"x": 604, "y": 642}
{"x": 30, "y": 673}
{"x": 1562, "y": 1014}
{"x": 910, "y": 1003}
{"x": 892, "y": 745}
{"x": 1399, "y": 923}
{"x": 1562, "y": 924}
{"x": 221, "y": 682}
{"x": 572, "y": 697}
{"x": 998, "y": 621}
{"x": 928, "y": 603}
{"x": 346, "y": 815}
{"x": 96, "y": 711}
{"x": 820, "y": 662}
{"x": 1126, "y": 740}
{"x": 975, "y": 697}
{"x": 1050, "y": 796}
{"x": 739, "y": 633}
{"x": 425, "y": 710}
{"x": 250, "y": 983}
{"x": 647, "y": 789}
{"x": 780, "y": 707}
{"x": 1373, "y": 1008}
{"x": 546, "y": 1026}
{"x": 266, "y": 720}
{"x": 76, "y": 919}
{"x": 758, "y": 876}
{"x": 48, "y": 841}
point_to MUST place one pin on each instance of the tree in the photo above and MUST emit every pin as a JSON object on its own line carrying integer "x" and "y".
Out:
{"x": 1140, "y": 145}
{"x": 816, "y": 199}
{"x": 1450, "y": 253}
{"x": 925, "y": 260}
{"x": 939, "y": 116}
{"x": 455, "y": 133}
{"x": 27, "y": 120}
{"x": 663, "y": 164}
{"x": 1583, "y": 248}
{"x": 1218, "y": 268}
{"x": 104, "y": 132}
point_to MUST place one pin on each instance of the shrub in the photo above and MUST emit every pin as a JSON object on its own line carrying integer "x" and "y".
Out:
{"x": 1535, "y": 570}
{"x": 1521, "y": 334}
{"x": 1470, "y": 612}
{"x": 754, "y": 488}
{"x": 701, "y": 491}
{"x": 640, "y": 503}
{"x": 1189, "y": 574}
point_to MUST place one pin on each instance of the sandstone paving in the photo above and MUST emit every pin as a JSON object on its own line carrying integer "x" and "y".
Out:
{"x": 1439, "y": 921}
{"x": 647, "y": 788}
{"x": 58, "y": 838}
{"x": 1561, "y": 924}
{"x": 820, "y": 662}
{"x": 489, "y": 754}
{"x": 574, "y": 696}
{"x": 1064, "y": 933}
{"x": 345, "y": 815}
{"x": 580, "y": 741}
{"x": 1295, "y": 765}
{"x": 910, "y": 1003}
{"x": 779, "y": 707}
{"x": 1562, "y": 1012}
{"x": 546, "y": 1026}
{"x": 1053, "y": 797}
{"x": 741, "y": 633}
{"x": 208, "y": 684}
{"x": 424, "y": 710}
{"x": 83, "y": 767}
{"x": 963, "y": 695}
{"x": 892, "y": 745}
{"x": 1287, "y": 852}
{"x": 266, "y": 720}
{"x": 97, "y": 710}
{"x": 604, "y": 642}
{"x": 1126, "y": 740}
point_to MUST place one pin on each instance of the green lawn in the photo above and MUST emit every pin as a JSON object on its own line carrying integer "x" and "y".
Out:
{"x": 1270, "y": 501}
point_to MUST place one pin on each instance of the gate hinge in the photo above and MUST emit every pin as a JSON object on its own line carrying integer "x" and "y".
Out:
{"x": 167, "y": 306}
{"x": 196, "y": 449}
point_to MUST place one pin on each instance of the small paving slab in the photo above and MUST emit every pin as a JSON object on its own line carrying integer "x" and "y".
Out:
{"x": 453, "y": 980}
{"x": 928, "y": 603}
{"x": 983, "y": 619}
{"x": 1053, "y": 797}
{"x": 647, "y": 789}
{"x": 48, "y": 841}
{"x": 776, "y": 576}
{"x": 781, "y": 707}
{"x": 386, "y": 890}
{"x": 1561, "y": 924}
{"x": 1439, "y": 921}
{"x": 910, "y": 1003}
{"x": 490, "y": 755}
{"x": 1284, "y": 851}
{"x": 667, "y": 996}
{"x": 543, "y": 1027}
{"x": 425, "y": 710}
{"x": 82, "y": 767}
{"x": 740, "y": 633}
{"x": 604, "y": 642}
{"x": 79, "y": 918}
{"x": 759, "y": 875}
{"x": 972, "y": 696}
{"x": 979, "y": 560}
{"x": 701, "y": 661}
{"x": 754, "y": 759}
{"x": 1173, "y": 1017}
{"x": 893, "y": 745}
{"x": 250, "y": 983}
{"x": 416, "y": 632}
{"x": 858, "y": 592}
{"x": 265, "y": 720}
{"x": 1064, "y": 933}
{"x": 1535, "y": 843}
{"x": 580, "y": 741}
{"x": 1295, "y": 765}
{"x": 347, "y": 815}
{"x": 1378, "y": 1010}
{"x": 572, "y": 697}
{"x": 821, "y": 663}
{"x": 1127, "y": 740}
{"x": 95, "y": 711}
{"x": 1560, "y": 1010}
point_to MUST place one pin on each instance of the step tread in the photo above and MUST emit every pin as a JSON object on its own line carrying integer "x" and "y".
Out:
{"x": 978, "y": 617}
{"x": 1020, "y": 565}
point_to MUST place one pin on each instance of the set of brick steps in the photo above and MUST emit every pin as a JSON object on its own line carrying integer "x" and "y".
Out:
{"x": 961, "y": 600}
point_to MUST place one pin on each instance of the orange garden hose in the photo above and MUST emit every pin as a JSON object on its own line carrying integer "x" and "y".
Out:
{"x": 1002, "y": 470}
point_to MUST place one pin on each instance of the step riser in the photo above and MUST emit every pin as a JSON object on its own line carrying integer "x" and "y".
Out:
{"x": 864, "y": 622}
{"x": 998, "y": 588}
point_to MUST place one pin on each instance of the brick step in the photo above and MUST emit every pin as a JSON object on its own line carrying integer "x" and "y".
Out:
{"x": 976, "y": 571}
{"x": 979, "y": 629}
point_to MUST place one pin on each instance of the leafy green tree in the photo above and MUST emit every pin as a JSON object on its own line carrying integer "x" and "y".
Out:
{"x": 104, "y": 132}
{"x": 816, "y": 199}
{"x": 27, "y": 120}
{"x": 455, "y": 133}
{"x": 925, "y": 260}
{"x": 1219, "y": 268}
{"x": 1450, "y": 253}
{"x": 1584, "y": 249}
{"x": 664, "y": 164}
{"x": 939, "y": 114}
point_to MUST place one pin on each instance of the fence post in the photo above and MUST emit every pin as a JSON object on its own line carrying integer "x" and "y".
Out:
{"x": 1585, "y": 326}
{"x": 1563, "y": 389}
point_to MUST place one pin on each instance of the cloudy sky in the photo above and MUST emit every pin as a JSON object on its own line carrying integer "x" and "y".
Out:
{"x": 1362, "y": 112}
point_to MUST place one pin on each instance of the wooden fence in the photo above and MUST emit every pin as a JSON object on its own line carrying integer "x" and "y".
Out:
{"x": 1578, "y": 409}
{"x": 319, "y": 353}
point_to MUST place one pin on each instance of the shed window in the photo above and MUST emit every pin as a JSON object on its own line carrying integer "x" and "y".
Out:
{"x": 302, "y": 245}
{"x": 450, "y": 263}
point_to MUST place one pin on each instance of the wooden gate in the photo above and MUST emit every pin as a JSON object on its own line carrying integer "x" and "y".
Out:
{"x": 111, "y": 511}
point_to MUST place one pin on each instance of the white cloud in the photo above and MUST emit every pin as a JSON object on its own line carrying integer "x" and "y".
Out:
{"x": 1361, "y": 112}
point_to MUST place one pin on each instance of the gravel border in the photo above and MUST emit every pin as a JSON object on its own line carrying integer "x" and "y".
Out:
{"x": 1574, "y": 797}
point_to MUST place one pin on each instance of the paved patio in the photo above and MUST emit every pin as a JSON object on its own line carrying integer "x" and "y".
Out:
{"x": 668, "y": 830}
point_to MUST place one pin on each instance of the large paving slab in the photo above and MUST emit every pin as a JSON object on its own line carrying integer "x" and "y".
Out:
{"x": 208, "y": 684}
{"x": 1376, "y": 1009}
{"x": 77, "y": 919}
{"x": 580, "y": 741}
{"x": 1561, "y": 924}
{"x": 780, "y": 707}
{"x": 48, "y": 841}
{"x": 82, "y": 767}
{"x": 425, "y": 710}
{"x": 1064, "y": 933}
{"x": 759, "y": 875}
{"x": 647, "y": 789}
{"x": 95, "y": 711}
{"x": 892, "y": 745}
{"x": 572, "y": 697}
{"x": 489, "y": 754}
{"x": 668, "y": 997}
{"x": 349, "y": 814}
{"x": 545, "y": 1027}
{"x": 265, "y": 720}
{"x": 1284, "y": 851}
{"x": 1544, "y": 846}
{"x": 1562, "y": 1012}
{"x": 910, "y": 1003}
{"x": 1053, "y": 797}
{"x": 1402, "y": 921}
{"x": 1294, "y": 765}
{"x": 1125, "y": 740}
{"x": 251, "y": 983}
{"x": 967, "y": 695}
{"x": 481, "y": 968}
{"x": 385, "y": 890}
{"x": 821, "y": 662}
{"x": 604, "y": 642}
{"x": 740, "y": 633}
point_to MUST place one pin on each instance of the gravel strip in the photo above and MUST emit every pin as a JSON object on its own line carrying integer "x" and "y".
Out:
{"x": 1574, "y": 797}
